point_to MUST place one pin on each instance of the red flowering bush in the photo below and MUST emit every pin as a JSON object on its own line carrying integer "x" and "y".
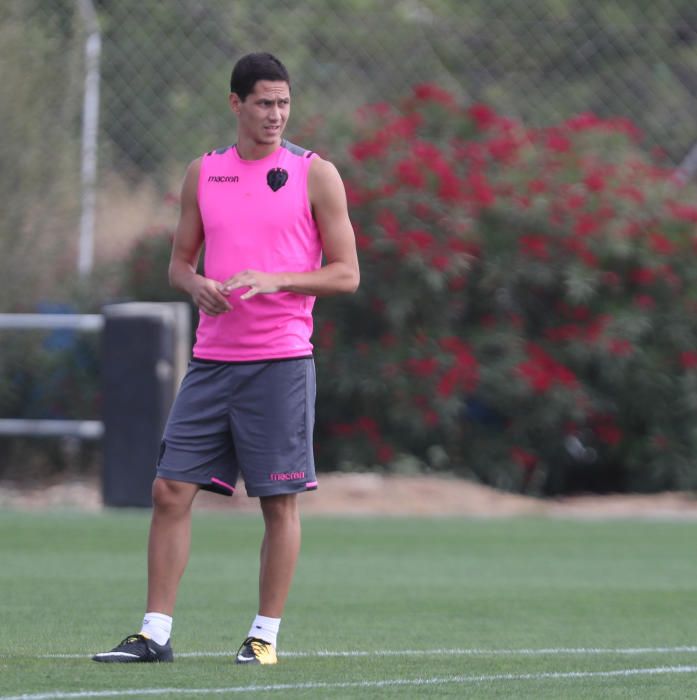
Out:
{"x": 527, "y": 312}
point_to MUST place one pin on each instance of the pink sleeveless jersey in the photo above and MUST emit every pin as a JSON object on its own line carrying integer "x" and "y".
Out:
{"x": 256, "y": 216}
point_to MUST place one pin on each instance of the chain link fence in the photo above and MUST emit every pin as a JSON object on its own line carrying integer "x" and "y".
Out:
{"x": 164, "y": 68}
{"x": 166, "y": 65}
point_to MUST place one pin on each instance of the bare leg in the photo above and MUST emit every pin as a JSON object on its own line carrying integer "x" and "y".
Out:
{"x": 279, "y": 552}
{"x": 170, "y": 539}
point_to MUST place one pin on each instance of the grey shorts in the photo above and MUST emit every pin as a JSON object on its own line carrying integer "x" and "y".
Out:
{"x": 254, "y": 419}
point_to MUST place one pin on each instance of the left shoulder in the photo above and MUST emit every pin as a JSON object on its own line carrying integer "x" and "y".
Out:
{"x": 323, "y": 171}
{"x": 325, "y": 186}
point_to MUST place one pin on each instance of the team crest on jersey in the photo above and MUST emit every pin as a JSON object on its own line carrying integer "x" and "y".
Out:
{"x": 276, "y": 178}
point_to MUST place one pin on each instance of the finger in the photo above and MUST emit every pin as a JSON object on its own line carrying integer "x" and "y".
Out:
{"x": 253, "y": 291}
{"x": 235, "y": 284}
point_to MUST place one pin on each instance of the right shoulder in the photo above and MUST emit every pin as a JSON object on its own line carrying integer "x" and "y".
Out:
{"x": 195, "y": 166}
{"x": 191, "y": 178}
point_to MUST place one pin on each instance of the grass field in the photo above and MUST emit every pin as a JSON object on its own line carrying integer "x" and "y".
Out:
{"x": 381, "y": 608}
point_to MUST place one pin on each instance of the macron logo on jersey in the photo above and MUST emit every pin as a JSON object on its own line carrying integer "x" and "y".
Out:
{"x": 223, "y": 178}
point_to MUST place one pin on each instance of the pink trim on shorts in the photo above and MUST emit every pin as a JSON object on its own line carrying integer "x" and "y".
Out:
{"x": 223, "y": 484}
{"x": 311, "y": 485}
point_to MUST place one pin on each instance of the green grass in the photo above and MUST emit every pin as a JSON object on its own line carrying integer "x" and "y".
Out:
{"x": 495, "y": 593}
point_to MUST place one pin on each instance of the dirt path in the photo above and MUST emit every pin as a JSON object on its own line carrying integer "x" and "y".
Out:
{"x": 373, "y": 494}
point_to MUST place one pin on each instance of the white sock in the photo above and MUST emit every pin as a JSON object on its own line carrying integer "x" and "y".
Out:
{"x": 157, "y": 627}
{"x": 265, "y": 628}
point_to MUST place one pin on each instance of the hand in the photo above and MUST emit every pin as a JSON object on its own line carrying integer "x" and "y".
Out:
{"x": 209, "y": 296}
{"x": 258, "y": 283}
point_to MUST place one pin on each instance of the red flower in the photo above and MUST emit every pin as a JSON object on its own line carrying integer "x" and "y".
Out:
{"x": 449, "y": 186}
{"x": 582, "y": 122}
{"x": 440, "y": 262}
{"x": 464, "y": 373}
{"x": 427, "y": 152}
{"x": 405, "y": 127}
{"x": 410, "y": 174}
{"x": 342, "y": 429}
{"x": 611, "y": 279}
{"x": 684, "y": 212}
{"x": 524, "y": 459}
{"x": 557, "y": 141}
{"x": 585, "y": 225}
{"x": 354, "y": 195}
{"x": 433, "y": 93}
{"x": 327, "y": 334}
{"x": 541, "y": 371}
{"x": 537, "y": 186}
{"x": 422, "y": 367}
{"x": 608, "y": 432}
{"x": 389, "y": 222}
{"x": 423, "y": 211}
{"x": 597, "y": 327}
{"x": 384, "y": 453}
{"x": 644, "y": 301}
{"x": 483, "y": 116}
{"x": 503, "y": 148}
{"x": 416, "y": 239}
{"x": 620, "y": 347}
{"x": 563, "y": 333}
{"x": 371, "y": 148}
{"x": 367, "y": 425}
{"x": 480, "y": 190}
{"x": 379, "y": 110}
{"x": 661, "y": 244}
{"x": 625, "y": 126}
{"x": 688, "y": 359}
{"x": 535, "y": 246}
{"x": 594, "y": 182}
{"x": 642, "y": 275}
{"x": 575, "y": 200}
{"x": 630, "y": 192}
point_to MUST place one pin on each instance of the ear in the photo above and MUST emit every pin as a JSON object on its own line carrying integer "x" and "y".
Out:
{"x": 235, "y": 102}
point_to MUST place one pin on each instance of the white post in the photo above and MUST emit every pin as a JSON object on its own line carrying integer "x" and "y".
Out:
{"x": 686, "y": 170}
{"x": 90, "y": 126}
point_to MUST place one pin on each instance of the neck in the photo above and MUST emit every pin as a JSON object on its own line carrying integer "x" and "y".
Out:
{"x": 251, "y": 150}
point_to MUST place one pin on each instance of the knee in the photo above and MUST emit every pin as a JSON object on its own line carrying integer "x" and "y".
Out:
{"x": 172, "y": 495}
{"x": 280, "y": 509}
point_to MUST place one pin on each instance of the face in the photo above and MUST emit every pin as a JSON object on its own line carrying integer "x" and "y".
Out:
{"x": 262, "y": 116}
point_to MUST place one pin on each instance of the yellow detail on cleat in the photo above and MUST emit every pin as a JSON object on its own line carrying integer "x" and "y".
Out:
{"x": 256, "y": 651}
{"x": 265, "y": 653}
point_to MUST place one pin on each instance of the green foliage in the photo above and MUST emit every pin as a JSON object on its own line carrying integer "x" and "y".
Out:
{"x": 526, "y": 312}
{"x": 47, "y": 375}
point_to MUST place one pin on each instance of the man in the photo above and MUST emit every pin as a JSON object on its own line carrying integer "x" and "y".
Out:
{"x": 267, "y": 211}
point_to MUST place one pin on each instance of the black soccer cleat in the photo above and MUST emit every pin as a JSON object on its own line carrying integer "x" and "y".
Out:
{"x": 256, "y": 651}
{"x": 136, "y": 648}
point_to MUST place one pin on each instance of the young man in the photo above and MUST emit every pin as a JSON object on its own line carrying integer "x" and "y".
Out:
{"x": 267, "y": 211}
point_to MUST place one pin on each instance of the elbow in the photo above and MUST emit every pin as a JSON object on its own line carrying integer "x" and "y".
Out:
{"x": 353, "y": 281}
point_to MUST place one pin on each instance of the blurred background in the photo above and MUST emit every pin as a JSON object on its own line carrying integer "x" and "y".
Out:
{"x": 520, "y": 176}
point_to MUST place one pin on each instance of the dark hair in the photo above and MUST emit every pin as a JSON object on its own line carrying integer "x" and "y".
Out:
{"x": 253, "y": 67}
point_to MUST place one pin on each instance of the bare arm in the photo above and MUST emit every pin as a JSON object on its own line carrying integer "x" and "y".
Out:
{"x": 340, "y": 272}
{"x": 186, "y": 249}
